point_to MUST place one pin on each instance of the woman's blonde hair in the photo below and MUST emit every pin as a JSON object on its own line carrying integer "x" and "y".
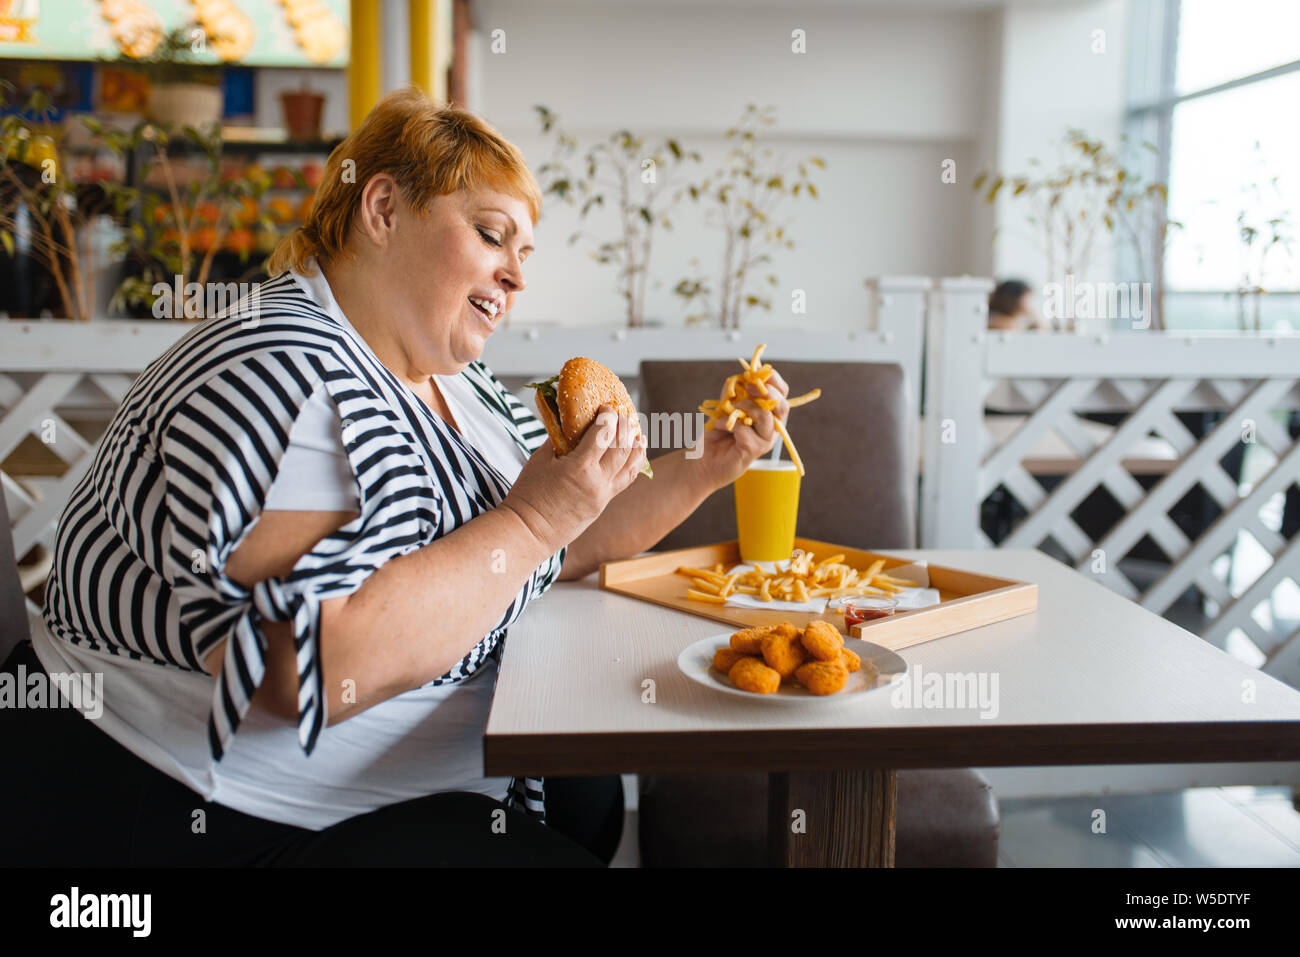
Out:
{"x": 430, "y": 151}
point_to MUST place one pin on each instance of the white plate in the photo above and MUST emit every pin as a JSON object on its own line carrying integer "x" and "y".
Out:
{"x": 696, "y": 662}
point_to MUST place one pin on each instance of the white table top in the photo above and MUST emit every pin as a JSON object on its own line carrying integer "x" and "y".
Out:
{"x": 1090, "y": 678}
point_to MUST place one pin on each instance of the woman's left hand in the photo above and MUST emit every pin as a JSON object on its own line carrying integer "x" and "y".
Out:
{"x": 726, "y": 455}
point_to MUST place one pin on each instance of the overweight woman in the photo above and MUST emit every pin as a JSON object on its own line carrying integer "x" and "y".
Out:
{"x": 296, "y": 555}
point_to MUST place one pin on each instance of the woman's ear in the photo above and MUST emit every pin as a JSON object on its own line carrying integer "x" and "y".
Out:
{"x": 378, "y": 211}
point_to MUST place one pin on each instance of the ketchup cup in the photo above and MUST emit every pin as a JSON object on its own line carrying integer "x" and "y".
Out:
{"x": 865, "y": 608}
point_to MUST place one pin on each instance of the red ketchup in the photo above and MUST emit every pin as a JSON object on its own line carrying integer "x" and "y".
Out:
{"x": 857, "y": 611}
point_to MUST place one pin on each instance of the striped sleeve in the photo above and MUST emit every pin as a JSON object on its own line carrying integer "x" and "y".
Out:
{"x": 526, "y": 422}
{"x": 220, "y": 449}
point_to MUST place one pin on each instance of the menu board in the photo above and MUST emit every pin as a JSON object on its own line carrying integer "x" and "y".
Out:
{"x": 248, "y": 32}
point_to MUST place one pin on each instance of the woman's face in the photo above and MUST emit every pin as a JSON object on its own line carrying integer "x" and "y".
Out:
{"x": 469, "y": 245}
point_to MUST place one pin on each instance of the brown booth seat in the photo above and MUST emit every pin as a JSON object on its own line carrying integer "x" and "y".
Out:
{"x": 856, "y": 442}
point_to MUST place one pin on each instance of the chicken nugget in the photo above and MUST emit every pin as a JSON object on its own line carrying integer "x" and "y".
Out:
{"x": 850, "y": 659}
{"x": 750, "y": 674}
{"x": 725, "y": 658}
{"x": 749, "y": 641}
{"x": 783, "y": 654}
{"x": 823, "y": 677}
{"x": 786, "y": 630}
{"x": 823, "y": 640}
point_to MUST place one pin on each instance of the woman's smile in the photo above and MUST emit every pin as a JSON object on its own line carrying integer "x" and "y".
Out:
{"x": 487, "y": 320}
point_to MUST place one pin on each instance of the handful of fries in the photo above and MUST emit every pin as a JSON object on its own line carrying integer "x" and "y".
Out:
{"x": 734, "y": 389}
{"x": 802, "y": 581}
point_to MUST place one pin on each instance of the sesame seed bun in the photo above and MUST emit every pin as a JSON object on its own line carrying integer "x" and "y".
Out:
{"x": 581, "y": 388}
{"x": 584, "y": 386}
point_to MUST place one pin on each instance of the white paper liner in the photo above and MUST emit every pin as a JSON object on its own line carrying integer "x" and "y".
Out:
{"x": 922, "y": 596}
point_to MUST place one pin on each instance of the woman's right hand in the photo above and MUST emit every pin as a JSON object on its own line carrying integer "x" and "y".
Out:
{"x": 558, "y": 496}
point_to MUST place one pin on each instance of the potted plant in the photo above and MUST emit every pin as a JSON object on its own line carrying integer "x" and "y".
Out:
{"x": 1262, "y": 227}
{"x": 185, "y": 87}
{"x": 635, "y": 179}
{"x": 183, "y": 214}
{"x": 302, "y": 112}
{"x": 742, "y": 199}
{"x": 42, "y": 208}
{"x": 1092, "y": 192}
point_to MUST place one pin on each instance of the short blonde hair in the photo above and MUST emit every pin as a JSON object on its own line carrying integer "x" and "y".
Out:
{"x": 429, "y": 150}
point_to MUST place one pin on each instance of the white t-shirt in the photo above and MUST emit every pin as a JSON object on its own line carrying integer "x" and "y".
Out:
{"x": 314, "y": 474}
{"x": 420, "y": 742}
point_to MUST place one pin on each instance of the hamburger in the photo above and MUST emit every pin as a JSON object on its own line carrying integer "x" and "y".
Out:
{"x": 567, "y": 403}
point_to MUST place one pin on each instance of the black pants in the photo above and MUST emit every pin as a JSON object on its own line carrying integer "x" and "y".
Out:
{"x": 72, "y": 796}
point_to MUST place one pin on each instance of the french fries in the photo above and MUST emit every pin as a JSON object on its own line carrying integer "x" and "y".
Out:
{"x": 803, "y": 399}
{"x": 735, "y": 389}
{"x": 804, "y": 580}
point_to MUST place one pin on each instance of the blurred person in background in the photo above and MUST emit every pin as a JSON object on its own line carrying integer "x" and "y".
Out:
{"x": 1011, "y": 309}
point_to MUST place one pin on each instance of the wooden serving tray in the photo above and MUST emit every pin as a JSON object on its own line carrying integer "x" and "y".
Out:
{"x": 967, "y": 599}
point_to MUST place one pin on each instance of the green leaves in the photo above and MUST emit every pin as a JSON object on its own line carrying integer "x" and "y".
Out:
{"x": 546, "y": 387}
{"x": 39, "y": 102}
{"x": 739, "y": 197}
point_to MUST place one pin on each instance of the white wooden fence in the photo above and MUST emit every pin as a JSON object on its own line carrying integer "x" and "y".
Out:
{"x": 1007, "y": 410}
{"x": 1046, "y": 383}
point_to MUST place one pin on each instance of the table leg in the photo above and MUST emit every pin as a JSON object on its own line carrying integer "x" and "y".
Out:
{"x": 831, "y": 818}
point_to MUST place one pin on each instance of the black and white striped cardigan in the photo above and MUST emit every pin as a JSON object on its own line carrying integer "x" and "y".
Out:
{"x": 182, "y": 472}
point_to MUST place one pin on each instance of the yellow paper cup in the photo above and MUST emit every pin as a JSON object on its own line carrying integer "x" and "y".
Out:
{"x": 767, "y": 505}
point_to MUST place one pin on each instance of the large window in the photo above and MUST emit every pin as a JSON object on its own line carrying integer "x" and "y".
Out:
{"x": 1215, "y": 86}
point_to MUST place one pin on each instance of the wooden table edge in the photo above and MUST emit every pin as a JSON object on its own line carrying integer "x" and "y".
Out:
{"x": 804, "y": 749}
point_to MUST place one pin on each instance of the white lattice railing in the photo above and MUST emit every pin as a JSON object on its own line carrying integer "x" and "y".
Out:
{"x": 1041, "y": 453}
